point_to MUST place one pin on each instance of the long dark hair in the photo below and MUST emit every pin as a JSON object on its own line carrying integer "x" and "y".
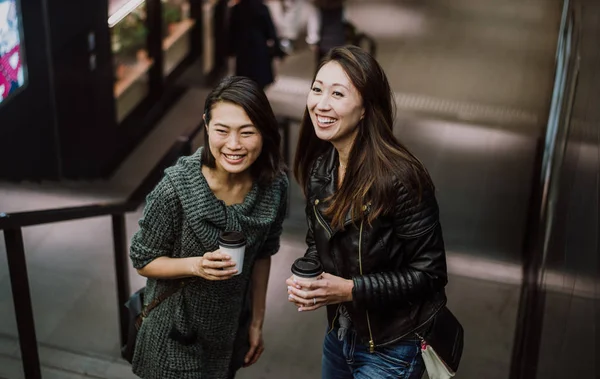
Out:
{"x": 377, "y": 159}
{"x": 247, "y": 94}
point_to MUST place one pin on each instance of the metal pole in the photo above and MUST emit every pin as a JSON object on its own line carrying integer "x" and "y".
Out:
{"x": 19, "y": 282}
{"x": 122, "y": 274}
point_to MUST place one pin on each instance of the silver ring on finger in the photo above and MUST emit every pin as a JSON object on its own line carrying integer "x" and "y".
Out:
{"x": 314, "y": 301}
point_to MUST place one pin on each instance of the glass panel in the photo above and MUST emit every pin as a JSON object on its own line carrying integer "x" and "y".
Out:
{"x": 127, "y": 22}
{"x": 177, "y": 26}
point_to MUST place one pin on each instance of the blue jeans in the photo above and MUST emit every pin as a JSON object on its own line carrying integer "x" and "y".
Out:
{"x": 349, "y": 359}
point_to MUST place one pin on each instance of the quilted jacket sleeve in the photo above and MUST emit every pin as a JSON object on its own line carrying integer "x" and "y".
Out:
{"x": 418, "y": 230}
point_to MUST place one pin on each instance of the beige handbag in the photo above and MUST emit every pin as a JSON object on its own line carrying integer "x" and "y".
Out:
{"x": 436, "y": 368}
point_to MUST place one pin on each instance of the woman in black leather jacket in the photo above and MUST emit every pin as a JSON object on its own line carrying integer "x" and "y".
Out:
{"x": 373, "y": 223}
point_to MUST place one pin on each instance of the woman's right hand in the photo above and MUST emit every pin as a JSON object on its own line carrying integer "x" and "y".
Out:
{"x": 214, "y": 266}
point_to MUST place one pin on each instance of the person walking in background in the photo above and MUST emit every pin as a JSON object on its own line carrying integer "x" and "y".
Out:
{"x": 253, "y": 44}
{"x": 373, "y": 224}
{"x": 329, "y": 21}
{"x": 212, "y": 324}
{"x": 292, "y": 17}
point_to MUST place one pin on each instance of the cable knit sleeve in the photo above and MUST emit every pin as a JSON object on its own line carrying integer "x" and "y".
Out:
{"x": 272, "y": 243}
{"x": 155, "y": 238}
{"x": 417, "y": 229}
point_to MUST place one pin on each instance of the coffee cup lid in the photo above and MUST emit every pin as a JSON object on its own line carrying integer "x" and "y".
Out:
{"x": 232, "y": 239}
{"x": 307, "y": 267}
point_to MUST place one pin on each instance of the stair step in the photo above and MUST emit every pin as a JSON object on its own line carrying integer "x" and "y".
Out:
{"x": 58, "y": 363}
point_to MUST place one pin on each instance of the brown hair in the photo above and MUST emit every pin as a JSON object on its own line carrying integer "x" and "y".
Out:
{"x": 377, "y": 159}
{"x": 247, "y": 94}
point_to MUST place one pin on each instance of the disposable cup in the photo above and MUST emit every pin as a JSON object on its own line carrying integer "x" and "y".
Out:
{"x": 307, "y": 269}
{"x": 234, "y": 245}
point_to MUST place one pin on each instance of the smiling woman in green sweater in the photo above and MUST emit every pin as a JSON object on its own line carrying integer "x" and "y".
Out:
{"x": 212, "y": 326}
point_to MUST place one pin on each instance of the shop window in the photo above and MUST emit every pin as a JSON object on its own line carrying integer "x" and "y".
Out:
{"x": 177, "y": 26}
{"x": 131, "y": 63}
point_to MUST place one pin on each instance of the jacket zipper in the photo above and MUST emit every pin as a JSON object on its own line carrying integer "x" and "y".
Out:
{"x": 337, "y": 312}
{"x": 328, "y": 230}
{"x": 326, "y": 227}
{"x": 320, "y": 221}
{"x": 371, "y": 341}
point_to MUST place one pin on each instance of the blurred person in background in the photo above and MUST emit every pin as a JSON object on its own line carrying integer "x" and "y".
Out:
{"x": 328, "y": 26}
{"x": 293, "y": 17}
{"x": 253, "y": 44}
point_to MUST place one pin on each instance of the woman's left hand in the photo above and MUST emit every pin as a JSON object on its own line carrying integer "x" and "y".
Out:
{"x": 329, "y": 289}
{"x": 257, "y": 346}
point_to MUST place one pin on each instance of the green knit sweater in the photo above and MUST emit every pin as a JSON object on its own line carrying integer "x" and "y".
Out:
{"x": 183, "y": 218}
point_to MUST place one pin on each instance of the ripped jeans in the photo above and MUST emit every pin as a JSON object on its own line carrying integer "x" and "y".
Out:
{"x": 349, "y": 359}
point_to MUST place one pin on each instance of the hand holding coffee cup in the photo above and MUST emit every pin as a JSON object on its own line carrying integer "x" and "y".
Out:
{"x": 214, "y": 266}
{"x": 310, "y": 288}
{"x": 306, "y": 269}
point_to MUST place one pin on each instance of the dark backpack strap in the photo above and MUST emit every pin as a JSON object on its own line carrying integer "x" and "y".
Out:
{"x": 157, "y": 300}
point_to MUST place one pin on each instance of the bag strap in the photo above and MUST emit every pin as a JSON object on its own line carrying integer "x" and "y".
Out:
{"x": 164, "y": 296}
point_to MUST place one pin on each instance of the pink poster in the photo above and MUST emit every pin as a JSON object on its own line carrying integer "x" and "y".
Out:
{"x": 11, "y": 64}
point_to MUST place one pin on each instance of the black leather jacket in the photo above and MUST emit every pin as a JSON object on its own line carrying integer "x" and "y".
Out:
{"x": 398, "y": 263}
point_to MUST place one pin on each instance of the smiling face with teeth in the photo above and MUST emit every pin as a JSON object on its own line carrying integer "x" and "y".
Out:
{"x": 232, "y": 138}
{"x": 335, "y": 106}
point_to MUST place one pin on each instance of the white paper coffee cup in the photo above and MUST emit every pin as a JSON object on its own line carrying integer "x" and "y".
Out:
{"x": 312, "y": 279}
{"x": 237, "y": 255}
{"x": 307, "y": 269}
{"x": 234, "y": 245}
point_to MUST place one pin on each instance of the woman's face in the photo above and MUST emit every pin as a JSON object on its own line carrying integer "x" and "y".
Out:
{"x": 232, "y": 138}
{"x": 335, "y": 105}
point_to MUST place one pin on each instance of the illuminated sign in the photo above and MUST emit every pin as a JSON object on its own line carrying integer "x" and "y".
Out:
{"x": 12, "y": 64}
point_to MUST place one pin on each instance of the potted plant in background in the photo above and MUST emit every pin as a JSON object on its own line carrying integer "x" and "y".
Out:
{"x": 129, "y": 41}
{"x": 172, "y": 15}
